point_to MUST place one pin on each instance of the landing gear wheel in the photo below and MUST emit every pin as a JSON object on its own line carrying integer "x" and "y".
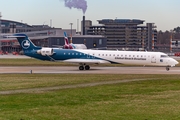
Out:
{"x": 87, "y": 67}
{"x": 167, "y": 68}
{"x": 81, "y": 67}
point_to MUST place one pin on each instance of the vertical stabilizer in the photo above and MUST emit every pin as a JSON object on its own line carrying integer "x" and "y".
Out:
{"x": 25, "y": 42}
{"x": 66, "y": 39}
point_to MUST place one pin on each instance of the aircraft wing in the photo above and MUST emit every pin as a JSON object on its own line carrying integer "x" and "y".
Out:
{"x": 92, "y": 61}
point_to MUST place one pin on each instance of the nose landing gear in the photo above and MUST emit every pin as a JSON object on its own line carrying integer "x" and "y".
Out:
{"x": 167, "y": 68}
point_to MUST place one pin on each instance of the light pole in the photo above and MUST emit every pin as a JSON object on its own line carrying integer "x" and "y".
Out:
{"x": 71, "y": 31}
{"x": 0, "y": 22}
{"x": 50, "y": 22}
{"x": 77, "y": 25}
{"x": 43, "y": 23}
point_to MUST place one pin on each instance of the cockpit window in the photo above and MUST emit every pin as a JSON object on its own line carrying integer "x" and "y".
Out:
{"x": 163, "y": 56}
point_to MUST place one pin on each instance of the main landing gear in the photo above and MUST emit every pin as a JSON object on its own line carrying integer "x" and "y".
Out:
{"x": 82, "y": 67}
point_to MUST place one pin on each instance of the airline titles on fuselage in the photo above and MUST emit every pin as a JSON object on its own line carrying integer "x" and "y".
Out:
{"x": 125, "y": 58}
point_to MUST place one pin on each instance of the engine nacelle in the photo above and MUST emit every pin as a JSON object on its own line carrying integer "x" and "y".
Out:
{"x": 46, "y": 51}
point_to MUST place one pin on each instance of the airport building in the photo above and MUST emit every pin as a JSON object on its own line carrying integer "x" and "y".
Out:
{"x": 9, "y": 26}
{"x": 122, "y": 34}
{"x": 55, "y": 39}
{"x": 45, "y": 36}
{"x": 128, "y": 34}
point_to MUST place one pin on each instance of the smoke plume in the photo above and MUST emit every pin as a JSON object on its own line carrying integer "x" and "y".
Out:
{"x": 79, "y": 4}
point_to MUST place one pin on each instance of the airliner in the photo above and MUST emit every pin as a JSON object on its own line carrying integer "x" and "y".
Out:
{"x": 68, "y": 45}
{"x": 71, "y": 45}
{"x": 87, "y": 57}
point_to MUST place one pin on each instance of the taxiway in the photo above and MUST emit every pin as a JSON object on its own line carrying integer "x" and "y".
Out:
{"x": 93, "y": 70}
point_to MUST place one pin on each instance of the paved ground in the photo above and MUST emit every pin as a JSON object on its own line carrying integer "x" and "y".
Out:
{"x": 13, "y": 56}
{"x": 93, "y": 70}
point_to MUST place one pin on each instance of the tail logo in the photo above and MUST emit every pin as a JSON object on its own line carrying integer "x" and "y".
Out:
{"x": 25, "y": 44}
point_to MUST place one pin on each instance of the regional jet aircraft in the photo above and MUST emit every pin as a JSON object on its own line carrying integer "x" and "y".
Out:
{"x": 86, "y": 57}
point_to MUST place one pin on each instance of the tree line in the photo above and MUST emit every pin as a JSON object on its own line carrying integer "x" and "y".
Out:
{"x": 164, "y": 37}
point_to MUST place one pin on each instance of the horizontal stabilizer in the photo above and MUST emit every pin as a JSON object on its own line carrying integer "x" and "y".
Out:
{"x": 13, "y": 36}
{"x": 16, "y": 36}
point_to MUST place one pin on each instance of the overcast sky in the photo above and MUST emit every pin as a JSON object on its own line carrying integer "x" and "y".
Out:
{"x": 164, "y": 13}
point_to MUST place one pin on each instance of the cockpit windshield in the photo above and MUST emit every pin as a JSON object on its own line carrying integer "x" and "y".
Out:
{"x": 164, "y": 56}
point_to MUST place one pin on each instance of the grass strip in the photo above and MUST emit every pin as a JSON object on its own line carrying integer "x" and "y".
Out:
{"x": 157, "y": 99}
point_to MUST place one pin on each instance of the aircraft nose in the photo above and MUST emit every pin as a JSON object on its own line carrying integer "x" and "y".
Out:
{"x": 176, "y": 62}
{"x": 173, "y": 62}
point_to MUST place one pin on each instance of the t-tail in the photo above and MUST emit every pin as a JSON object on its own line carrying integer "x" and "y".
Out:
{"x": 32, "y": 50}
{"x": 25, "y": 42}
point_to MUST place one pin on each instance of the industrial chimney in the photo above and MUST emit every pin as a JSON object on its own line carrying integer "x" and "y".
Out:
{"x": 83, "y": 25}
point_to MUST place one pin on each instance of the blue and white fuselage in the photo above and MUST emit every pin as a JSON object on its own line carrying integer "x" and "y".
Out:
{"x": 86, "y": 57}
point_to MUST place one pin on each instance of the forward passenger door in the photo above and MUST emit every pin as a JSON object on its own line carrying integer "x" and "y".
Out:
{"x": 153, "y": 58}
